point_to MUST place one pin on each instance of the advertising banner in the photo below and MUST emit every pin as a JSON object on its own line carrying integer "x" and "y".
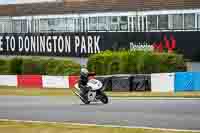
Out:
{"x": 85, "y": 44}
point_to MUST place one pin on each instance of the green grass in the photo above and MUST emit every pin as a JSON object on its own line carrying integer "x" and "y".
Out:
{"x": 34, "y": 92}
{"x": 68, "y": 92}
{"x": 22, "y": 127}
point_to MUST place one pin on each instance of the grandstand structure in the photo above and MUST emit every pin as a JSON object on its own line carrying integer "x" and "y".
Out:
{"x": 100, "y": 16}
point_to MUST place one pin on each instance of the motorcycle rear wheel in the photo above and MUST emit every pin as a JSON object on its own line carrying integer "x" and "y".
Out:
{"x": 104, "y": 98}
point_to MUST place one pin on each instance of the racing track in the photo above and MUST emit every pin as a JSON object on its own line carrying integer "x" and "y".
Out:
{"x": 173, "y": 114}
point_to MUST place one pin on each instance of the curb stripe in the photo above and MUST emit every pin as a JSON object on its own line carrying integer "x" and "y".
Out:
{"x": 101, "y": 125}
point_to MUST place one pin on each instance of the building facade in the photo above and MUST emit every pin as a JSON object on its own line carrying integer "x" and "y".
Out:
{"x": 100, "y": 16}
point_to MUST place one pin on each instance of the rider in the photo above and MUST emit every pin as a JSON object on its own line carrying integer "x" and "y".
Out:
{"x": 84, "y": 77}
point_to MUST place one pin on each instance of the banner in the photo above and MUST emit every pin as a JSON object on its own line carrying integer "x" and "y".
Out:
{"x": 184, "y": 81}
{"x": 85, "y": 44}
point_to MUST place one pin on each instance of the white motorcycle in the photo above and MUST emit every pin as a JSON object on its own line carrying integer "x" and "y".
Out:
{"x": 95, "y": 94}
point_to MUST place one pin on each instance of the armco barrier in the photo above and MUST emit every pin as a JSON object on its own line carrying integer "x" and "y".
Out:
{"x": 140, "y": 82}
{"x": 107, "y": 80}
{"x": 29, "y": 81}
{"x": 184, "y": 81}
{"x": 121, "y": 83}
{"x": 55, "y": 81}
{"x": 163, "y": 82}
{"x": 8, "y": 80}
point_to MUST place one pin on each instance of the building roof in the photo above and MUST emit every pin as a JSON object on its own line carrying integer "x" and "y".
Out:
{"x": 80, "y": 6}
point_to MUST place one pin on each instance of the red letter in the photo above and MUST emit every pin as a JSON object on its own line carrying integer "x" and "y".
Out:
{"x": 158, "y": 47}
{"x": 167, "y": 44}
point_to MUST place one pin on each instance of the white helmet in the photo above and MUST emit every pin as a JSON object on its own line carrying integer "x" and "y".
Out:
{"x": 84, "y": 72}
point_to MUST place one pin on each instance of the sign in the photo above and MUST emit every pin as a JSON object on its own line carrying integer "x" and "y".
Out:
{"x": 85, "y": 44}
{"x": 45, "y": 44}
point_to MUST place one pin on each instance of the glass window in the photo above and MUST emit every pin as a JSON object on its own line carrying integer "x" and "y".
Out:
{"x": 5, "y": 26}
{"x": 123, "y": 18}
{"x": 69, "y": 24}
{"x": 51, "y": 22}
{"x": 115, "y": 19}
{"x": 123, "y": 27}
{"x": 114, "y": 23}
{"x": 93, "y": 20}
{"x": 53, "y": 25}
{"x": 198, "y": 19}
{"x": 16, "y": 26}
{"x": 145, "y": 23}
{"x": 104, "y": 23}
{"x": 20, "y": 26}
{"x": 177, "y": 21}
{"x": 135, "y": 24}
{"x": 163, "y": 22}
{"x": 24, "y": 26}
{"x": 1, "y": 28}
{"x": 102, "y": 20}
{"x": 114, "y": 27}
{"x": 152, "y": 22}
{"x": 130, "y": 24}
{"x": 56, "y": 24}
{"x": 35, "y": 25}
{"x": 44, "y": 25}
{"x": 93, "y": 26}
{"x": 123, "y": 23}
{"x": 189, "y": 21}
{"x": 141, "y": 24}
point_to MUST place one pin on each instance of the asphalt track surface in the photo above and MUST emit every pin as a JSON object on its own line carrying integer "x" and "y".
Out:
{"x": 172, "y": 114}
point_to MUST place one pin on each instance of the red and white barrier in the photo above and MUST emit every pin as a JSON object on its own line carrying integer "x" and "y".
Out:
{"x": 38, "y": 81}
{"x": 55, "y": 81}
{"x": 73, "y": 80}
{"x": 8, "y": 80}
{"x": 159, "y": 82}
{"x": 162, "y": 82}
{"x": 29, "y": 81}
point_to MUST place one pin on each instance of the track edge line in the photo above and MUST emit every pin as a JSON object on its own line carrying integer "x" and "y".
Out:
{"x": 101, "y": 125}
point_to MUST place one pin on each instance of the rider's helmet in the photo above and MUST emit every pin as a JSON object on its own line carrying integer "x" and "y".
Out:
{"x": 84, "y": 72}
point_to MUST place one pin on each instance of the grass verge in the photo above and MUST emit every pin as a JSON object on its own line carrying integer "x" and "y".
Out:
{"x": 23, "y": 127}
{"x": 68, "y": 92}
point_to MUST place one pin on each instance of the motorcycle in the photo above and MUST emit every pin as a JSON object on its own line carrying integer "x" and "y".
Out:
{"x": 95, "y": 93}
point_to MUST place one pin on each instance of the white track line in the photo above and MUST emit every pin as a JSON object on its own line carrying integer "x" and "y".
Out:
{"x": 153, "y": 98}
{"x": 99, "y": 125}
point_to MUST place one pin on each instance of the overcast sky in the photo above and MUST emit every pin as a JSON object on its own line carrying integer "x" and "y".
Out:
{"x": 7, "y": 1}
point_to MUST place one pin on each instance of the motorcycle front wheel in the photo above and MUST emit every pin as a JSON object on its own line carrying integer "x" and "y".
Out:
{"x": 82, "y": 98}
{"x": 85, "y": 101}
